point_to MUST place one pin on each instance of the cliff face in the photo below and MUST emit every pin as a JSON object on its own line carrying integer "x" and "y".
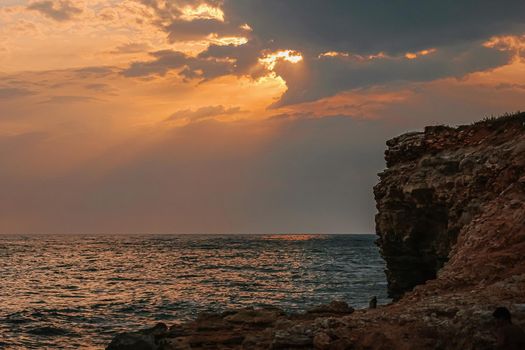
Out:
{"x": 437, "y": 186}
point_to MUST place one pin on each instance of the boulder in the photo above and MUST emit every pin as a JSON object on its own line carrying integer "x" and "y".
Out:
{"x": 335, "y": 307}
{"x": 255, "y": 317}
{"x": 147, "y": 339}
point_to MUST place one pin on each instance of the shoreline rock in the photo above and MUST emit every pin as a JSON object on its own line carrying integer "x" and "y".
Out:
{"x": 248, "y": 328}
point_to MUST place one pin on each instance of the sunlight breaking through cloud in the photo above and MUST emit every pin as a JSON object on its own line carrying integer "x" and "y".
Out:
{"x": 203, "y": 11}
{"x": 414, "y": 55}
{"x": 270, "y": 60}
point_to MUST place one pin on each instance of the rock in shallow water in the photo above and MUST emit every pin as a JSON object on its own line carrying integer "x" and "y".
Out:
{"x": 335, "y": 307}
{"x": 148, "y": 339}
{"x": 255, "y": 317}
{"x": 133, "y": 341}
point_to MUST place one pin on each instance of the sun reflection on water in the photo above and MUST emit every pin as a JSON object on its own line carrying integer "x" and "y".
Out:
{"x": 294, "y": 237}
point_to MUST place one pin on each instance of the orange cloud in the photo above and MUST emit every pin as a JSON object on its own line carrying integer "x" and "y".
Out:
{"x": 202, "y": 11}
{"x": 269, "y": 60}
{"x": 514, "y": 43}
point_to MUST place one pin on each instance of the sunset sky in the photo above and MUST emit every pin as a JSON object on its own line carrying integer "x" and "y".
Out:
{"x": 233, "y": 116}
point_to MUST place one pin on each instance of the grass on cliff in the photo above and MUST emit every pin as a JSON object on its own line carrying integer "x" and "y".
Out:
{"x": 497, "y": 121}
{"x": 492, "y": 122}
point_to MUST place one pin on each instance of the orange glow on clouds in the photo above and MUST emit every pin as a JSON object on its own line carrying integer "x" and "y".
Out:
{"x": 227, "y": 40}
{"x": 507, "y": 43}
{"x": 270, "y": 60}
{"x": 414, "y": 55}
{"x": 202, "y": 11}
{"x": 334, "y": 54}
{"x": 346, "y": 55}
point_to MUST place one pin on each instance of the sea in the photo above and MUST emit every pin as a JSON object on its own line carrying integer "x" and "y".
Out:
{"x": 78, "y": 291}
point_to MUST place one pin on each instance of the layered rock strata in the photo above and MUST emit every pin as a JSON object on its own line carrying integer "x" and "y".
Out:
{"x": 436, "y": 183}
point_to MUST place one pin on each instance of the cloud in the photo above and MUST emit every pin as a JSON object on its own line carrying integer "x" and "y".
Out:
{"x": 215, "y": 61}
{"x": 68, "y": 99}
{"x": 101, "y": 87}
{"x": 193, "y": 20}
{"x": 58, "y": 10}
{"x": 386, "y": 31}
{"x": 163, "y": 62}
{"x": 329, "y": 75}
{"x": 203, "y": 113}
{"x": 370, "y": 43}
{"x": 12, "y": 92}
{"x": 95, "y": 70}
{"x": 322, "y": 76}
{"x": 243, "y": 59}
{"x": 198, "y": 29}
{"x": 130, "y": 48}
{"x": 368, "y": 27}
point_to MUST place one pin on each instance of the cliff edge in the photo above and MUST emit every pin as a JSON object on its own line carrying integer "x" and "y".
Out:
{"x": 451, "y": 226}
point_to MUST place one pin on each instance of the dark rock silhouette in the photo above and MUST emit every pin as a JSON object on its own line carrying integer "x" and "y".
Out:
{"x": 508, "y": 335}
{"x": 437, "y": 182}
{"x": 373, "y": 303}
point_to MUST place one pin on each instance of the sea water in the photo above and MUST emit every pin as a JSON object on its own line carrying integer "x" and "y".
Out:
{"x": 78, "y": 291}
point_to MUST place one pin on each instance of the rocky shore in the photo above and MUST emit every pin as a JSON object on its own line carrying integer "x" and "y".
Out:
{"x": 451, "y": 227}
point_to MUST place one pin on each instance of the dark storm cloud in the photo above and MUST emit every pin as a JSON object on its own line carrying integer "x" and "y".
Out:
{"x": 59, "y": 10}
{"x": 182, "y": 30}
{"x": 329, "y": 75}
{"x": 243, "y": 57}
{"x": 455, "y": 29}
{"x": 368, "y": 27}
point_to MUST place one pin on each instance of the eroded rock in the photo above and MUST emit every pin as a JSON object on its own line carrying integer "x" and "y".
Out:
{"x": 436, "y": 184}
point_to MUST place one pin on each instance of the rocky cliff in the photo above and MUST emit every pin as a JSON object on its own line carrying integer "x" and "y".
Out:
{"x": 451, "y": 226}
{"x": 436, "y": 183}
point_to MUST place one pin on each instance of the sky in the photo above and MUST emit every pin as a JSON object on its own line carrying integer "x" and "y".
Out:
{"x": 233, "y": 116}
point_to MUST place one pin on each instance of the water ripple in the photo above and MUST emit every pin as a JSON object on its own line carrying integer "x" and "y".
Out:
{"x": 75, "y": 292}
